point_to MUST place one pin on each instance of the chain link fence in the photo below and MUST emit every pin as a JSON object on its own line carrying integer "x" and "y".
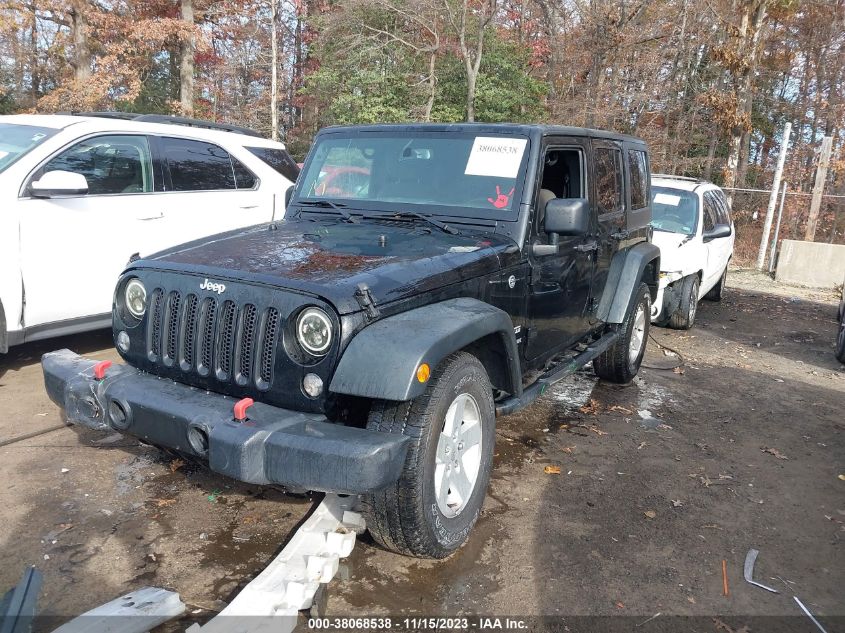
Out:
{"x": 749, "y": 215}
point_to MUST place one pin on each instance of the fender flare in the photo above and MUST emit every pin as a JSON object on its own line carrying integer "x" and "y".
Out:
{"x": 381, "y": 361}
{"x": 628, "y": 268}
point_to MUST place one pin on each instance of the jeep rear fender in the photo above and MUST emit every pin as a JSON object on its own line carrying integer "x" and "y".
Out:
{"x": 628, "y": 268}
{"x": 382, "y": 360}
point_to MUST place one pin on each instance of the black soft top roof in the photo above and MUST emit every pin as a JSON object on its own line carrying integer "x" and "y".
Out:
{"x": 527, "y": 129}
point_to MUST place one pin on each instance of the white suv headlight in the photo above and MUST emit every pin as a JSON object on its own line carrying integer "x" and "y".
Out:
{"x": 135, "y": 298}
{"x": 314, "y": 331}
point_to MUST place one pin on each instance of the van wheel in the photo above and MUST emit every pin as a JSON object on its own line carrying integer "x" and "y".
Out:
{"x": 431, "y": 509}
{"x": 621, "y": 361}
{"x": 717, "y": 292}
{"x": 684, "y": 317}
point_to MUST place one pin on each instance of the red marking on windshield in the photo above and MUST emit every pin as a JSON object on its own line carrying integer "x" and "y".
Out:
{"x": 502, "y": 199}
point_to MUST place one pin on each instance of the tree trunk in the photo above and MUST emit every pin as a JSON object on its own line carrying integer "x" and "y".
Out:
{"x": 34, "y": 68}
{"x": 81, "y": 50}
{"x": 432, "y": 85}
{"x": 186, "y": 65}
{"x": 753, "y": 14}
{"x": 274, "y": 72}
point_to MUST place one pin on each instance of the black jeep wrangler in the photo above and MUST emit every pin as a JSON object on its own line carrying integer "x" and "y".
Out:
{"x": 425, "y": 280}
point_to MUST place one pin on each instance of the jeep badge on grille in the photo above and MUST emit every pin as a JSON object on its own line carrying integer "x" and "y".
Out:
{"x": 213, "y": 286}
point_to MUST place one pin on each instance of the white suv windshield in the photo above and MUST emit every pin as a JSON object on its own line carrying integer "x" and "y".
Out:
{"x": 674, "y": 210}
{"x": 17, "y": 140}
{"x": 424, "y": 172}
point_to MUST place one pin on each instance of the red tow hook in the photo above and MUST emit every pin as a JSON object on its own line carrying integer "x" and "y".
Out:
{"x": 240, "y": 409}
{"x": 100, "y": 369}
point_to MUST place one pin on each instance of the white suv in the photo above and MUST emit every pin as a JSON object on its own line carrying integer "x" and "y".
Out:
{"x": 80, "y": 195}
{"x": 695, "y": 234}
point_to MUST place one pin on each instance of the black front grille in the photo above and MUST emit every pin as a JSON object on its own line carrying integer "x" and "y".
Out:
{"x": 232, "y": 343}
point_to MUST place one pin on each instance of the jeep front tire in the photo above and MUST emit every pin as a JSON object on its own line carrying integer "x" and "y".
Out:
{"x": 431, "y": 509}
{"x": 621, "y": 361}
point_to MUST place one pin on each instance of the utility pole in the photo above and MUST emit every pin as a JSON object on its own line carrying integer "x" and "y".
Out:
{"x": 773, "y": 198}
{"x": 274, "y": 72}
{"x": 818, "y": 189}
{"x": 777, "y": 229}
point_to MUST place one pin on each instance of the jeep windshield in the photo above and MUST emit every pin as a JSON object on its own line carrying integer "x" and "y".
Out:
{"x": 674, "y": 210}
{"x": 430, "y": 173}
{"x": 16, "y": 140}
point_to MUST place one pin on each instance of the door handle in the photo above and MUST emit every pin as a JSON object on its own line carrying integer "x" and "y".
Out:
{"x": 587, "y": 247}
{"x": 151, "y": 217}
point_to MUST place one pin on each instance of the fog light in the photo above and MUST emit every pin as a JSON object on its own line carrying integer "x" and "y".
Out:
{"x": 123, "y": 341}
{"x": 312, "y": 385}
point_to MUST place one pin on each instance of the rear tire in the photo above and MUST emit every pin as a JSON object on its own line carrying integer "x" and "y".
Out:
{"x": 437, "y": 499}
{"x": 684, "y": 317}
{"x": 621, "y": 361}
{"x": 717, "y": 292}
{"x": 840, "y": 341}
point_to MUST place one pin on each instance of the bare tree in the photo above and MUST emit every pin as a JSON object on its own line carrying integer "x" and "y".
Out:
{"x": 186, "y": 63}
{"x": 470, "y": 52}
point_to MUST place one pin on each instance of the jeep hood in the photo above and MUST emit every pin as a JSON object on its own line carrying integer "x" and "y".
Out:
{"x": 396, "y": 259}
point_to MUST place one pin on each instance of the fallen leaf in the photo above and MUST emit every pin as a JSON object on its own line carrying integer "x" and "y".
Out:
{"x": 619, "y": 605}
{"x": 842, "y": 477}
{"x": 642, "y": 445}
{"x": 679, "y": 370}
{"x": 690, "y": 599}
{"x": 552, "y": 470}
{"x": 161, "y": 503}
{"x": 620, "y": 409}
{"x": 677, "y": 503}
{"x": 176, "y": 464}
{"x": 650, "y": 514}
{"x": 774, "y": 451}
{"x": 591, "y": 408}
{"x": 568, "y": 449}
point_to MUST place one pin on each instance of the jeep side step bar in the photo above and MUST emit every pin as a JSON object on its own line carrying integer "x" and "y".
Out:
{"x": 555, "y": 374}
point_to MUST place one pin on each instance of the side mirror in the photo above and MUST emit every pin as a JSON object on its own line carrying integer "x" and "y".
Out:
{"x": 288, "y": 196}
{"x": 567, "y": 216}
{"x": 59, "y": 183}
{"x": 718, "y": 231}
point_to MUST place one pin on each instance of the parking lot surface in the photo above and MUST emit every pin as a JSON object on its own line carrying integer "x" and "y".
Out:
{"x": 741, "y": 446}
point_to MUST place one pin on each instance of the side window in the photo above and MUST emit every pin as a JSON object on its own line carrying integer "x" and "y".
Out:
{"x": 723, "y": 210}
{"x": 279, "y": 160}
{"x": 608, "y": 179}
{"x": 201, "y": 166}
{"x": 638, "y": 169}
{"x": 110, "y": 164}
{"x": 710, "y": 212}
{"x": 244, "y": 178}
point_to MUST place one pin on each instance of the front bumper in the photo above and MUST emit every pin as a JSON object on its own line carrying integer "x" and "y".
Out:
{"x": 273, "y": 446}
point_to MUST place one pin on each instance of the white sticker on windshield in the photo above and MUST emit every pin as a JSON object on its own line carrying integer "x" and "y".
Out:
{"x": 495, "y": 156}
{"x": 666, "y": 198}
{"x": 3, "y": 154}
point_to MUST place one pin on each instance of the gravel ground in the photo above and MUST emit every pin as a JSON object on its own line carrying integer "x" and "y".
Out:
{"x": 659, "y": 482}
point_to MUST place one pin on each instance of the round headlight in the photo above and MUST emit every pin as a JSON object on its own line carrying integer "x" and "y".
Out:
{"x": 314, "y": 331}
{"x": 135, "y": 298}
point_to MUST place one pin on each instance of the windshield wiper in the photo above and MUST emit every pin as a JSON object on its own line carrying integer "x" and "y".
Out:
{"x": 413, "y": 214}
{"x": 327, "y": 204}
